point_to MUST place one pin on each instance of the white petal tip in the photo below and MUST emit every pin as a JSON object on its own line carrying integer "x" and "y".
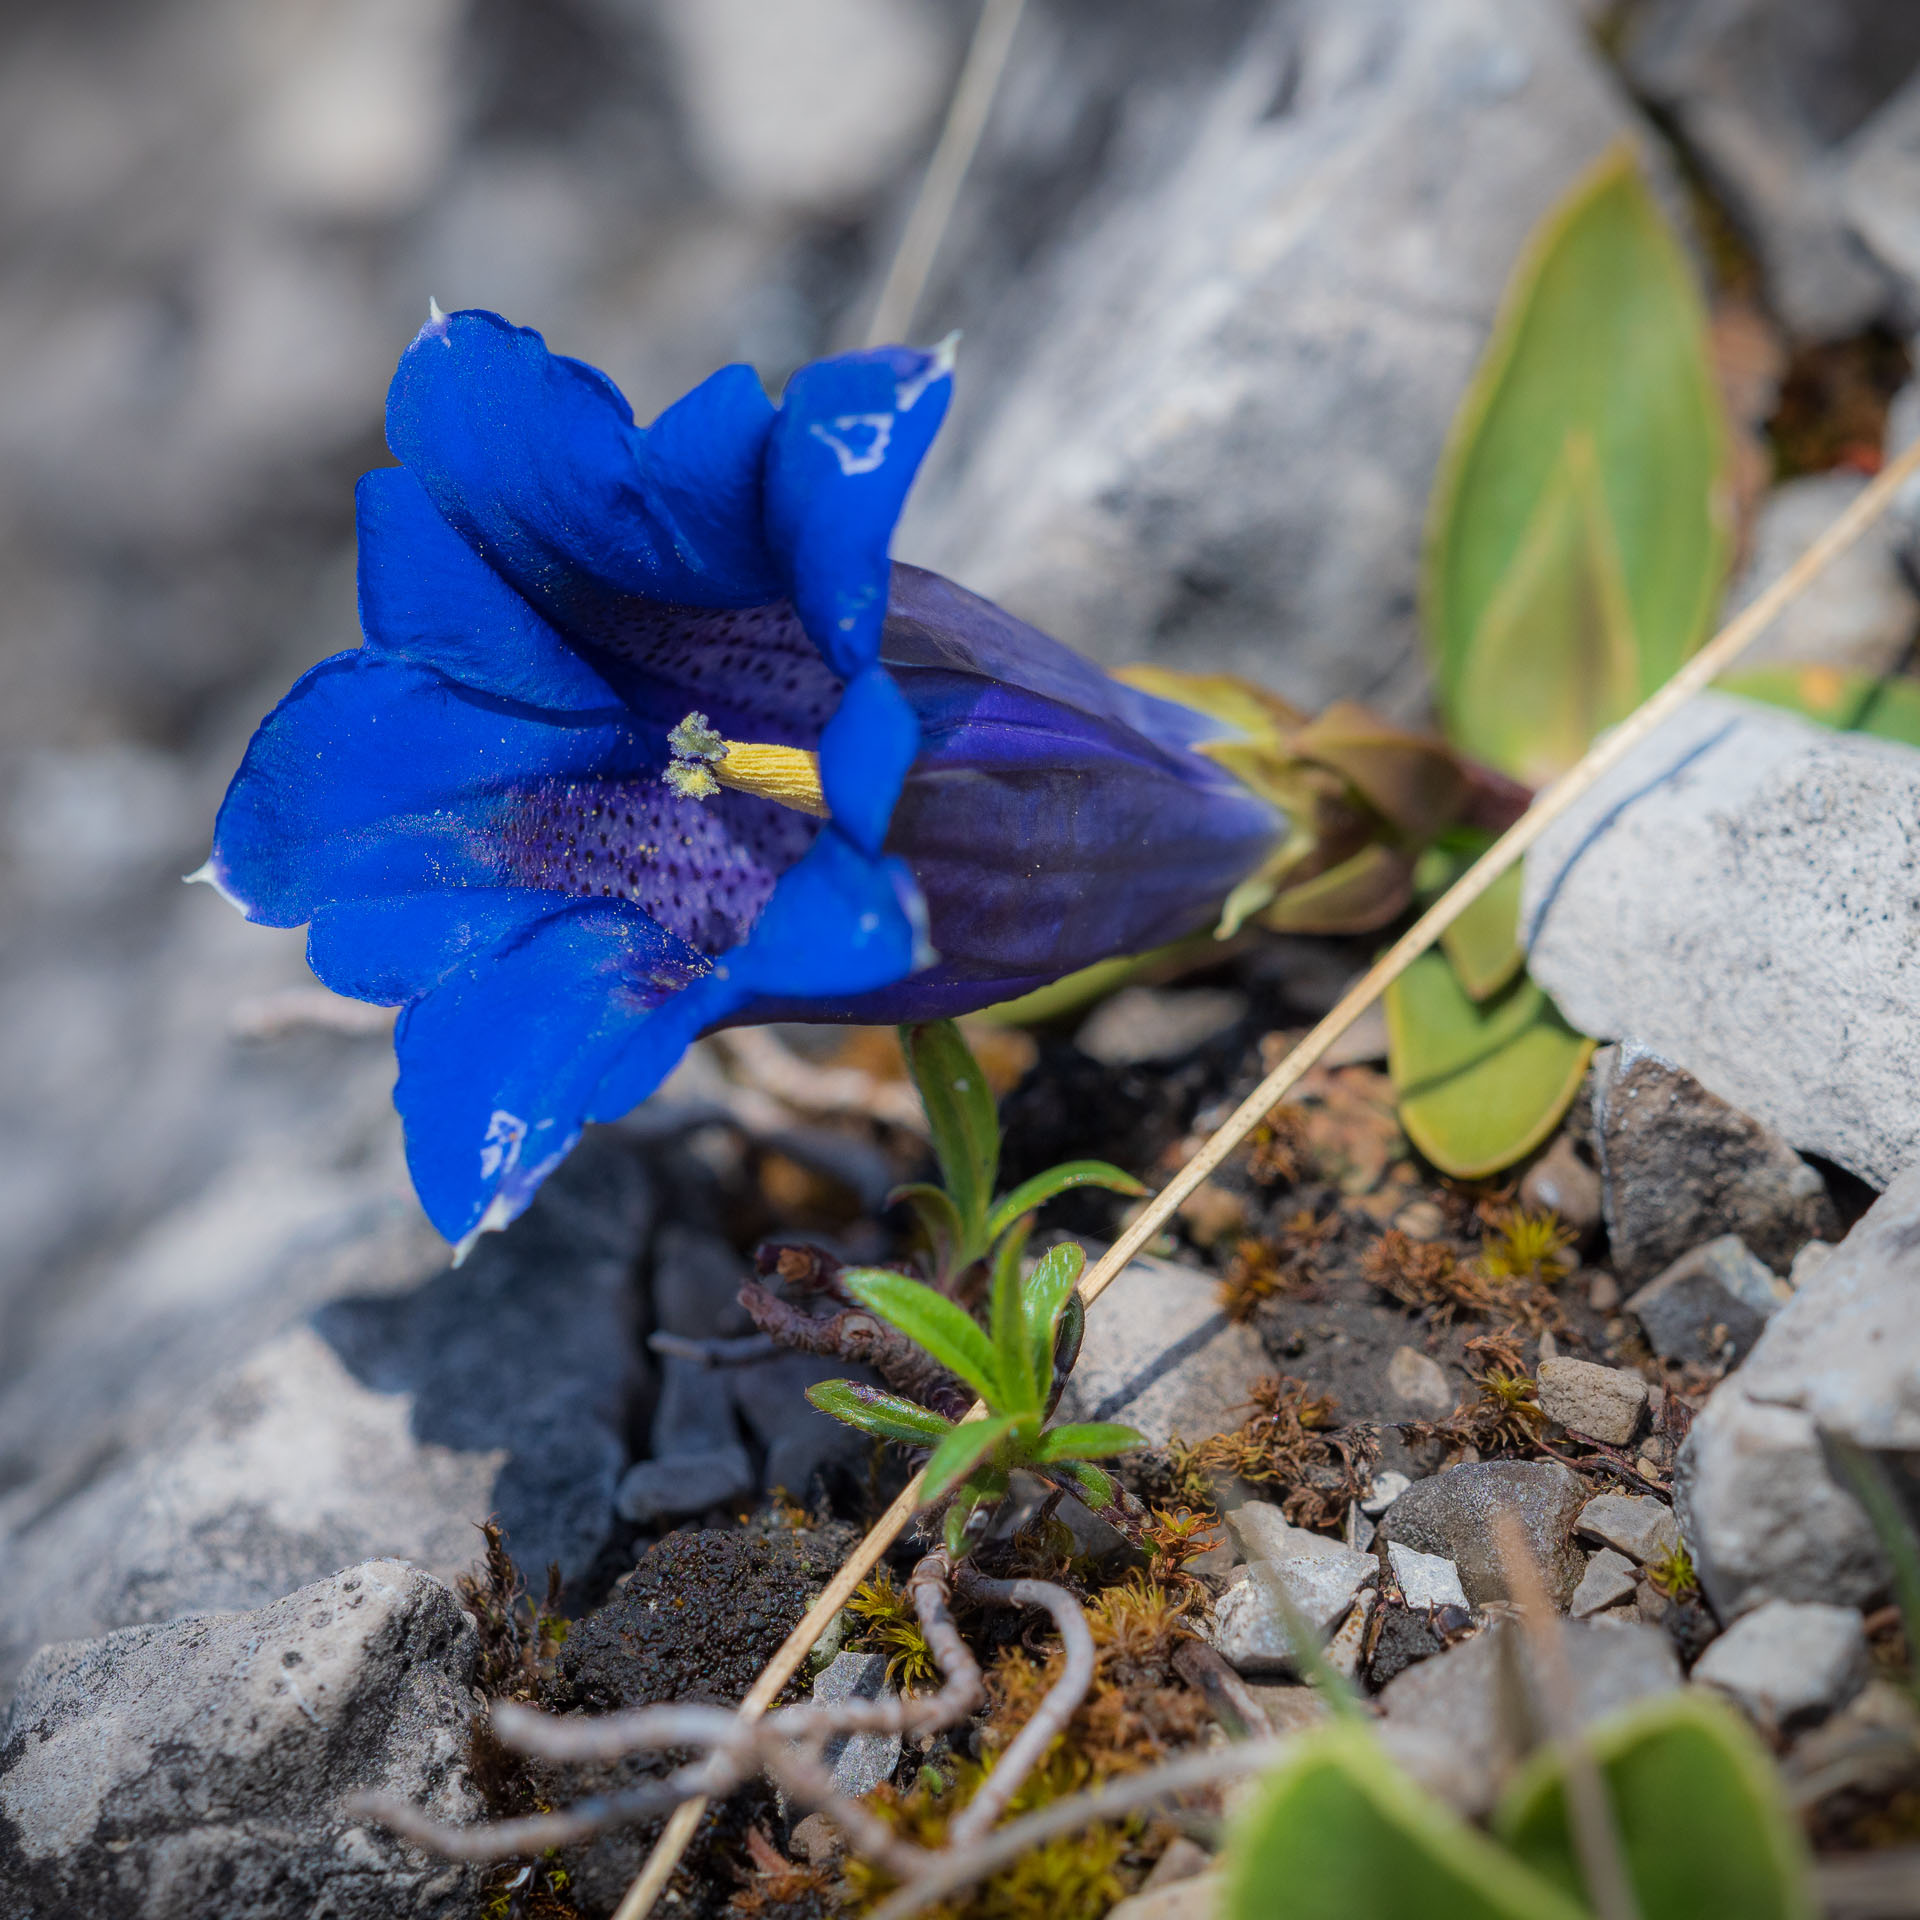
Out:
{"x": 434, "y": 315}
{"x": 498, "y": 1216}
{"x": 205, "y": 876}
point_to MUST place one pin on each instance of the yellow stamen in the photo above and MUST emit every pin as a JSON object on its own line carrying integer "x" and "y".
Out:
{"x": 704, "y": 762}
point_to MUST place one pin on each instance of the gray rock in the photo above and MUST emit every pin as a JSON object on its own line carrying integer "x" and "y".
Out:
{"x": 1192, "y": 1897}
{"x": 1777, "y": 99}
{"x": 170, "y": 1772}
{"x": 1140, "y": 1025}
{"x": 1709, "y": 1306}
{"x": 1679, "y": 1166}
{"x": 1462, "y": 1720}
{"x": 1299, "y": 241}
{"x": 1426, "y": 1580}
{"x": 1608, "y": 1580}
{"x": 386, "y": 1422}
{"x": 1604, "y": 1403}
{"x": 859, "y": 1762}
{"x": 1762, "y": 1517}
{"x": 1452, "y": 1513}
{"x": 1789, "y": 1664}
{"x": 1419, "y": 1382}
{"x": 1319, "y": 1578}
{"x": 1349, "y": 1640}
{"x": 1864, "y": 615}
{"x": 1386, "y": 1489}
{"x": 1161, "y": 1355}
{"x": 677, "y": 1484}
{"x": 1642, "y": 1528}
{"x": 1748, "y": 913}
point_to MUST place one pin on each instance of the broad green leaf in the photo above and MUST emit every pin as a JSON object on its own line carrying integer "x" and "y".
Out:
{"x": 1577, "y": 535}
{"x": 1337, "y": 1832}
{"x": 873, "y": 1410}
{"x": 947, "y": 1331}
{"x": 1479, "y": 1085}
{"x": 1836, "y": 697}
{"x": 1484, "y": 943}
{"x": 1704, "y": 1826}
{"x": 1043, "y": 1187}
{"x": 1049, "y": 1286}
{"x": 960, "y": 1113}
{"x": 964, "y": 1447}
{"x": 1090, "y": 1440}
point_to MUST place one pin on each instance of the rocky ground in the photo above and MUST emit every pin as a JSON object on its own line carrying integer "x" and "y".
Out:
{"x": 1222, "y": 288}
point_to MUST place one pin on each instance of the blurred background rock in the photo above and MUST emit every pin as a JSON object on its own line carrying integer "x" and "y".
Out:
{"x": 1223, "y": 268}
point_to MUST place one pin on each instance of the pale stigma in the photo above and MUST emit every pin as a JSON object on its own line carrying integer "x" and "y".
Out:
{"x": 704, "y": 762}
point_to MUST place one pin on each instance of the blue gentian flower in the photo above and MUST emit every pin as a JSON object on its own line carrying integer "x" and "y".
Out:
{"x": 648, "y": 736}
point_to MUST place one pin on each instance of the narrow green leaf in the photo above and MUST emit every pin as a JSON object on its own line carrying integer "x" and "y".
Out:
{"x": 1096, "y": 1488}
{"x": 939, "y": 1220}
{"x": 1030, "y": 1194}
{"x": 1337, "y": 1832}
{"x": 1577, "y": 534}
{"x": 1049, "y": 1287}
{"x": 1704, "y": 1825}
{"x": 1006, "y": 1257}
{"x": 963, "y": 1449}
{"x": 1484, "y": 943}
{"x": 960, "y": 1112}
{"x": 1091, "y": 1440}
{"x": 873, "y": 1410}
{"x": 947, "y": 1331}
{"x": 1480, "y": 1085}
{"x": 1007, "y": 1312}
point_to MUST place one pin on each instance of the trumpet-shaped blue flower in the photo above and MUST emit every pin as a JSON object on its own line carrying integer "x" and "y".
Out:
{"x": 647, "y": 735}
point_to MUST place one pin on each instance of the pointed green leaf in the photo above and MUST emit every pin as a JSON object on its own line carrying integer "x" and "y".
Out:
{"x": 1484, "y": 943}
{"x": 939, "y": 1219}
{"x": 1090, "y": 1440}
{"x": 1096, "y": 1488}
{"x": 1480, "y": 1085}
{"x": 984, "y": 1490}
{"x": 947, "y": 1331}
{"x": 1007, "y": 1255}
{"x": 1337, "y": 1832}
{"x": 1049, "y": 1286}
{"x": 1704, "y": 1826}
{"x": 963, "y": 1449}
{"x": 873, "y": 1410}
{"x": 960, "y": 1112}
{"x": 1577, "y": 534}
{"x": 1043, "y": 1187}
{"x": 1887, "y": 709}
{"x": 1013, "y": 1356}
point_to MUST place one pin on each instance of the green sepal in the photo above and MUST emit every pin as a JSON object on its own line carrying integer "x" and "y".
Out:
{"x": 1704, "y": 1826}
{"x": 965, "y": 1447}
{"x": 1048, "y": 1289}
{"x": 873, "y": 1410}
{"x": 1089, "y": 1440}
{"x": 1043, "y": 1187}
{"x": 930, "y": 1320}
{"x": 1480, "y": 1084}
{"x": 1337, "y": 1832}
{"x": 960, "y": 1114}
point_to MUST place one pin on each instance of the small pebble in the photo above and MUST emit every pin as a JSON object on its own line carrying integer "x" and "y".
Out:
{"x": 1603, "y": 1293}
{"x": 1181, "y": 1861}
{"x": 1561, "y": 1182}
{"x": 1608, "y": 1580}
{"x": 818, "y": 1841}
{"x": 1426, "y": 1579}
{"x": 1386, "y": 1489}
{"x": 1637, "y": 1525}
{"x": 1789, "y": 1663}
{"x": 1423, "y": 1220}
{"x": 1344, "y": 1649}
{"x": 1417, "y": 1380}
{"x": 1604, "y": 1403}
{"x": 1549, "y": 1348}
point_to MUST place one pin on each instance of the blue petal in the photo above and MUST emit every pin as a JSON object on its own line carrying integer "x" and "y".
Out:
{"x": 865, "y": 752}
{"x": 396, "y": 947}
{"x": 838, "y": 924}
{"x": 377, "y": 777}
{"x": 849, "y": 439}
{"x": 499, "y": 1064}
{"x": 426, "y": 596}
{"x": 536, "y": 460}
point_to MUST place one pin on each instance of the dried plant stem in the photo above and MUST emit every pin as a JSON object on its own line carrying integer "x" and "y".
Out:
{"x": 1049, "y": 1718}
{"x": 1711, "y": 661}
{"x": 946, "y": 174}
